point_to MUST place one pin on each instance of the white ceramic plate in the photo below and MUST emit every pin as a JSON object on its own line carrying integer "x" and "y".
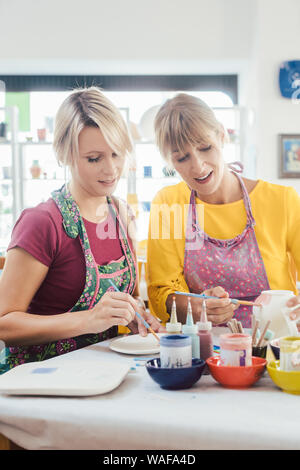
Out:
{"x": 136, "y": 344}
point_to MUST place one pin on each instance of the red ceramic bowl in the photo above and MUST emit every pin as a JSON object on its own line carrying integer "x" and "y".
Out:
{"x": 236, "y": 377}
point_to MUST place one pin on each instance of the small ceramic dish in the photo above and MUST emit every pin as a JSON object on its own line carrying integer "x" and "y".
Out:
{"x": 236, "y": 377}
{"x": 136, "y": 344}
{"x": 288, "y": 381}
{"x": 175, "y": 378}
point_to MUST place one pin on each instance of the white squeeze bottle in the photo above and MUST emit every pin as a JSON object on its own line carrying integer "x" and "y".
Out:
{"x": 190, "y": 329}
{"x": 173, "y": 327}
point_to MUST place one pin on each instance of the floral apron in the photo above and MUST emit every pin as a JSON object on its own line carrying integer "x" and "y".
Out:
{"x": 121, "y": 271}
{"x": 235, "y": 264}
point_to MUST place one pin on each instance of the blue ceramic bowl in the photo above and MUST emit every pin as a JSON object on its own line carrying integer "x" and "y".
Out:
{"x": 176, "y": 378}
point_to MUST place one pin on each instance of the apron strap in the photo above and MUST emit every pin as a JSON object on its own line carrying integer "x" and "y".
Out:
{"x": 247, "y": 202}
{"x": 232, "y": 166}
{"x": 250, "y": 219}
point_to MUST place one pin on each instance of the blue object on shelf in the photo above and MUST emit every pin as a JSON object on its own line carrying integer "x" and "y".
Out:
{"x": 146, "y": 206}
{"x": 147, "y": 171}
{"x": 289, "y": 79}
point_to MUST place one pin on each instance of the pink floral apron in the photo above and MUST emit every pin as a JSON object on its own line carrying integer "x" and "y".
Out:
{"x": 122, "y": 272}
{"x": 235, "y": 264}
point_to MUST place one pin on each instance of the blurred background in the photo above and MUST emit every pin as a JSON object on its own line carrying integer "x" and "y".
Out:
{"x": 241, "y": 56}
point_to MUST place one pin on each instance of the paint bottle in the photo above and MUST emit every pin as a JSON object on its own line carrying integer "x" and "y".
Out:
{"x": 290, "y": 353}
{"x": 175, "y": 351}
{"x": 173, "y": 326}
{"x": 190, "y": 329}
{"x": 205, "y": 336}
{"x": 236, "y": 350}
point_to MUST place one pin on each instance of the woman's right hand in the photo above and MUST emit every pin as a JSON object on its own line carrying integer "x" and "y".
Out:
{"x": 219, "y": 310}
{"x": 114, "y": 308}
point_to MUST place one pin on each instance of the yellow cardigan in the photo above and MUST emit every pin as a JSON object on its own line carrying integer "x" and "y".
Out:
{"x": 276, "y": 210}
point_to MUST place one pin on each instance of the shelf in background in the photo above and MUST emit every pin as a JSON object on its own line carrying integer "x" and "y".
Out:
{"x": 44, "y": 179}
{"x": 36, "y": 143}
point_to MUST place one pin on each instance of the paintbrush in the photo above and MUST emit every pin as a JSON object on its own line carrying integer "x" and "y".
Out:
{"x": 204, "y": 296}
{"x": 263, "y": 333}
{"x": 235, "y": 326}
{"x": 138, "y": 315}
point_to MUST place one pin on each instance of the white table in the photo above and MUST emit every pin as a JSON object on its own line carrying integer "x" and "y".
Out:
{"x": 141, "y": 415}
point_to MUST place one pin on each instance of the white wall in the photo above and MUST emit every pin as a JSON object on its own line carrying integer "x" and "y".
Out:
{"x": 248, "y": 37}
{"x": 116, "y": 32}
{"x": 276, "y": 39}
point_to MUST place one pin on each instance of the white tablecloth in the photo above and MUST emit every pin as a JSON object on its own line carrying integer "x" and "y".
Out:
{"x": 141, "y": 415}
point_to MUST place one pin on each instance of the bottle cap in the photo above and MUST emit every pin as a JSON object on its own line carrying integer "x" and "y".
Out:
{"x": 204, "y": 324}
{"x": 173, "y": 327}
{"x": 174, "y": 341}
{"x": 173, "y": 317}
{"x": 189, "y": 328}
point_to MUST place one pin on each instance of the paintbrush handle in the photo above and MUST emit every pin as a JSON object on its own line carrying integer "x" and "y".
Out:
{"x": 263, "y": 333}
{"x": 204, "y": 296}
{"x": 201, "y": 296}
{"x": 246, "y": 302}
{"x": 137, "y": 314}
{"x": 147, "y": 325}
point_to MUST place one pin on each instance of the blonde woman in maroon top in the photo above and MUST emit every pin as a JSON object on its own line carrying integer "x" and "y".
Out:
{"x": 54, "y": 289}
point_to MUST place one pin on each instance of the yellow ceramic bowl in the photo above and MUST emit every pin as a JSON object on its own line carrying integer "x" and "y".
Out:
{"x": 289, "y": 382}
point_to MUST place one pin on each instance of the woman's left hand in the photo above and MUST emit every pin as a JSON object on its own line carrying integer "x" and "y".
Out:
{"x": 295, "y": 314}
{"x": 137, "y": 326}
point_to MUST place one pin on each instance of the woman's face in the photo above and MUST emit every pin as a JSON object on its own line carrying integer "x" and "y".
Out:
{"x": 201, "y": 167}
{"x": 98, "y": 168}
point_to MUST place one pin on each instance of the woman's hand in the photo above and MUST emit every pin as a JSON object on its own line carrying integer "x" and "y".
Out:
{"x": 114, "y": 308}
{"x": 137, "y": 326}
{"x": 219, "y": 310}
{"x": 293, "y": 302}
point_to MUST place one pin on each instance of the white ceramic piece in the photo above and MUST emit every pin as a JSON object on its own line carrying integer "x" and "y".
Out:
{"x": 63, "y": 378}
{"x": 136, "y": 344}
{"x": 274, "y": 309}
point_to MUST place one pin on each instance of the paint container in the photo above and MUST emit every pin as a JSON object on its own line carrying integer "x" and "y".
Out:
{"x": 290, "y": 353}
{"x": 259, "y": 351}
{"x": 236, "y": 350}
{"x": 190, "y": 329}
{"x": 205, "y": 337}
{"x": 175, "y": 351}
{"x": 173, "y": 327}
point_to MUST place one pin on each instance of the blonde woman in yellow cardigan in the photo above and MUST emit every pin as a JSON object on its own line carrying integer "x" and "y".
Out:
{"x": 216, "y": 231}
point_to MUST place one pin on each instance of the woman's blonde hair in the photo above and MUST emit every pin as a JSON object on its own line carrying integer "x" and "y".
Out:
{"x": 185, "y": 120}
{"x": 88, "y": 107}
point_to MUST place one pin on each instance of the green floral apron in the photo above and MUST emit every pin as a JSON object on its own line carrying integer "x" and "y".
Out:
{"x": 122, "y": 272}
